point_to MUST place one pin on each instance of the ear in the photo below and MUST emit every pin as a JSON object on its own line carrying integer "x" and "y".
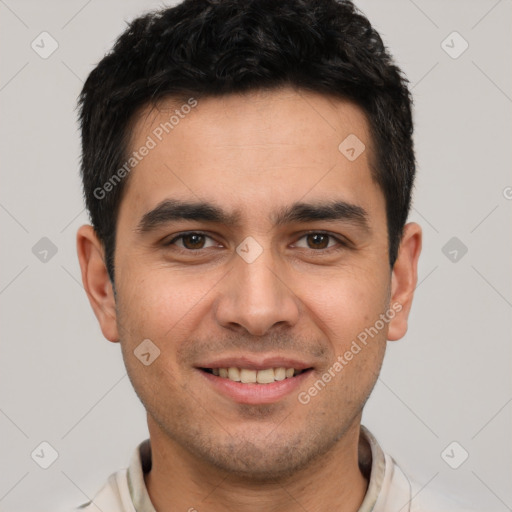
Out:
{"x": 96, "y": 281}
{"x": 403, "y": 279}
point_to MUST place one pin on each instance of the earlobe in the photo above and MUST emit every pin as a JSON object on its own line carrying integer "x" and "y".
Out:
{"x": 404, "y": 279}
{"x": 96, "y": 281}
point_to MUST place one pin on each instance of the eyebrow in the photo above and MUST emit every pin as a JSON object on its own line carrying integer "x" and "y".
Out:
{"x": 172, "y": 210}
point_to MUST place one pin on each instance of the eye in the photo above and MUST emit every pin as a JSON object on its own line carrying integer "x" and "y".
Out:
{"x": 318, "y": 240}
{"x": 192, "y": 241}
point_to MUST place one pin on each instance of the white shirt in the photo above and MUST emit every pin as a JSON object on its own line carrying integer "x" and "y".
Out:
{"x": 389, "y": 490}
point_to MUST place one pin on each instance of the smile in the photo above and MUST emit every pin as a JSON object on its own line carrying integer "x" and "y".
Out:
{"x": 251, "y": 386}
{"x": 249, "y": 376}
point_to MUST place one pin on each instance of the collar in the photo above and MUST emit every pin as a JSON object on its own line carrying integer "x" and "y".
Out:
{"x": 372, "y": 462}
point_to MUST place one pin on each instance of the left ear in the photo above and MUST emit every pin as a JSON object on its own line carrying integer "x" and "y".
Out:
{"x": 403, "y": 279}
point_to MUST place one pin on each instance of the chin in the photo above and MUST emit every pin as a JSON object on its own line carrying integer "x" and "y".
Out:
{"x": 260, "y": 460}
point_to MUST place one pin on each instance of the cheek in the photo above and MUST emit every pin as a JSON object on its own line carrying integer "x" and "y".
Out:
{"x": 346, "y": 304}
{"x": 152, "y": 306}
{"x": 161, "y": 304}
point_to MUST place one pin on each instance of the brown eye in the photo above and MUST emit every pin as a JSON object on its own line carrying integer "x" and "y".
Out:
{"x": 322, "y": 243}
{"x": 318, "y": 241}
{"x": 191, "y": 241}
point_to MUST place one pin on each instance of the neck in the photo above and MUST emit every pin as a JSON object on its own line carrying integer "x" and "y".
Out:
{"x": 179, "y": 481}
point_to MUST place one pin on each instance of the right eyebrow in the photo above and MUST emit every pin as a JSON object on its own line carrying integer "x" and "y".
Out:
{"x": 172, "y": 209}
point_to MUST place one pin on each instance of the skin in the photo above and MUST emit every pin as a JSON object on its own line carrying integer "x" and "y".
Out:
{"x": 253, "y": 153}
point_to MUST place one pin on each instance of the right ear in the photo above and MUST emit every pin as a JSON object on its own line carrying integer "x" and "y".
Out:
{"x": 96, "y": 281}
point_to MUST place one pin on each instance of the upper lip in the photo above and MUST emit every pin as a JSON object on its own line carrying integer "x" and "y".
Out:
{"x": 256, "y": 362}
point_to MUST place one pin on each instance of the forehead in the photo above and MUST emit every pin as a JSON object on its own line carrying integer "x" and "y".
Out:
{"x": 260, "y": 150}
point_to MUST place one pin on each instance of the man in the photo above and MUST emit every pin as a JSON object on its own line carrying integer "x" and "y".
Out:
{"x": 248, "y": 166}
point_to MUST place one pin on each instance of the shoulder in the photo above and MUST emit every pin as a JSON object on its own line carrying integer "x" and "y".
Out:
{"x": 425, "y": 499}
{"x": 401, "y": 492}
{"x": 114, "y": 496}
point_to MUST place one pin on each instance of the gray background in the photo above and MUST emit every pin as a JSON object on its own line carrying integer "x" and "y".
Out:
{"x": 448, "y": 380}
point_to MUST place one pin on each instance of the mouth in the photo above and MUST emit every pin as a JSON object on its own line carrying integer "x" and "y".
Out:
{"x": 252, "y": 376}
{"x": 255, "y": 385}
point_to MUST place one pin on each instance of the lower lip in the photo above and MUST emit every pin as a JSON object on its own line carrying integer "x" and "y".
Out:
{"x": 256, "y": 393}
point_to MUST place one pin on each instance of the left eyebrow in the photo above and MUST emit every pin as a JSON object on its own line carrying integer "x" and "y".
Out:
{"x": 171, "y": 210}
{"x": 323, "y": 211}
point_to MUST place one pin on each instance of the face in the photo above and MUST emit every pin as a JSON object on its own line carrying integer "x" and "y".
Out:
{"x": 246, "y": 239}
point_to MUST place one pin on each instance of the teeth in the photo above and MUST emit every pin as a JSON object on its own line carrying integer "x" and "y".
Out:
{"x": 279, "y": 373}
{"x": 234, "y": 374}
{"x": 265, "y": 376}
{"x": 247, "y": 376}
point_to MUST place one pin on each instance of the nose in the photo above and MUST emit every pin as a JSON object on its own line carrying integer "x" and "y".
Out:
{"x": 256, "y": 296}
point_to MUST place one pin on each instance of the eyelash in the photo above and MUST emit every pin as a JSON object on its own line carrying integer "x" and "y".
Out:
{"x": 341, "y": 243}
